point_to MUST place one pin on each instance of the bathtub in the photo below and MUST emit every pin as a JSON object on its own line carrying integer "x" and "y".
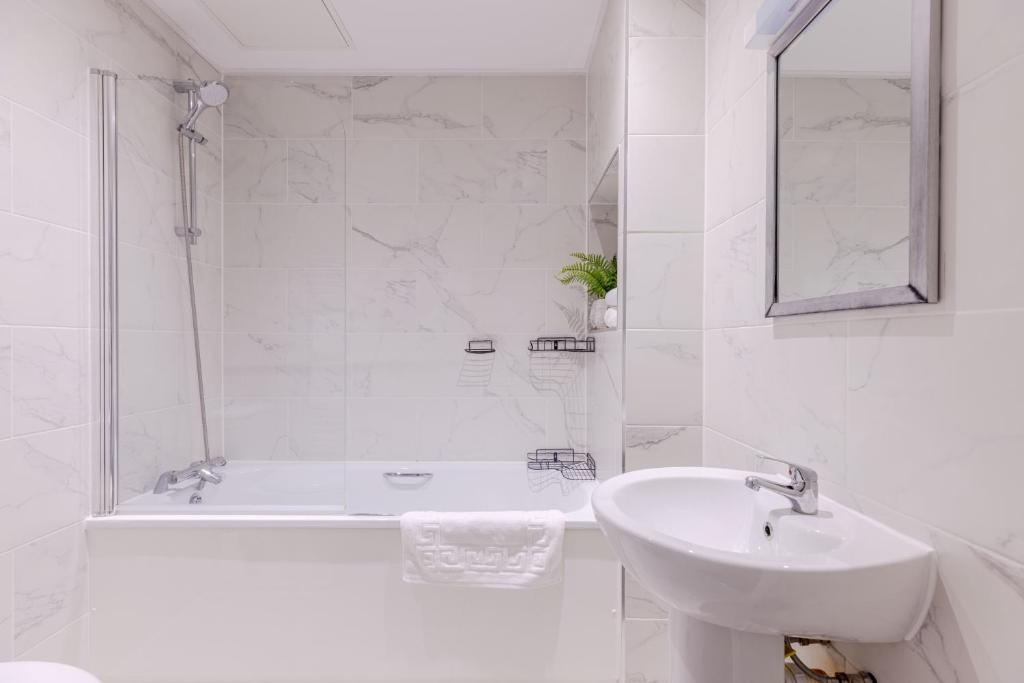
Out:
{"x": 291, "y": 573}
{"x": 359, "y": 494}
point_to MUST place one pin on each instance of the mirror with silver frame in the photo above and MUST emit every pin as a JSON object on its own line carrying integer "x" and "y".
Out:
{"x": 853, "y": 157}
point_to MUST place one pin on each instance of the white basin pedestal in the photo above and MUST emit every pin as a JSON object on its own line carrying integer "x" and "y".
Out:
{"x": 739, "y": 570}
{"x": 705, "y": 653}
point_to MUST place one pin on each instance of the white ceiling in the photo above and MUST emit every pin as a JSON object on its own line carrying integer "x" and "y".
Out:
{"x": 389, "y": 35}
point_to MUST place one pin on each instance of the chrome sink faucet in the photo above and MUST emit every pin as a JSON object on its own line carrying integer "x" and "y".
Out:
{"x": 802, "y": 489}
{"x": 202, "y": 470}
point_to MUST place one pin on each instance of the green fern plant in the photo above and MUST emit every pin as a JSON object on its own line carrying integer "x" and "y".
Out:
{"x": 593, "y": 272}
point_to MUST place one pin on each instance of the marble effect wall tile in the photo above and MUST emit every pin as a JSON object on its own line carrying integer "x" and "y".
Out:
{"x": 681, "y": 18}
{"x": 767, "y": 379}
{"x": 663, "y": 372}
{"x": 433, "y": 107}
{"x": 255, "y": 171}
{"x": 663, "y": 447}
{"x": 647, "y": 651}
{"x": 666, "y": 78}
{"x": 665, "y": 184}
{"x": 525, "y": 107}
{"x": 383, "y": 172}
{"x": 299, "y": 107}
{"x": 414, "y": 236}
{"x": 540, "y": 236}
{"x": 734, "y": 281}
{"x": 316, "y": 171}
{"x": 68, "y": 646}
{"x": 664, "y": 288}
{"x": 5, "y": 155}
{"x": 487, "y": 172}
{"x": 50, "y": 379}
{"x": 50, "y": 586}
{"x": 49, "y": 184}
{"x": 53, "y": 64}
{"x": 45, "y": 477}
{"x": 6, "y": 382}
{"x": 879, "y": 109}
{"x": 6, "y": 608}
{"x": 567, "y": 171}
{"x": 41, "y": 268}
{"x": 284, "y": 236}
{"x": 606, "y": 93}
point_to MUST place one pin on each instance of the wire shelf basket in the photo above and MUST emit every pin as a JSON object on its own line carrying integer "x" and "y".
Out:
{"x": 480, "y": 346}
{"x": 571, "y": 463}
{"x": 570, "y": 344}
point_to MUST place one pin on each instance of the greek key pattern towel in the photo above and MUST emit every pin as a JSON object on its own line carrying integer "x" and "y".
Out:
{"x": 521, "y": 549}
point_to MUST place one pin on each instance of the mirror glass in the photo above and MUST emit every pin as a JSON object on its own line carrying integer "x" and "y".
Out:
{"x": 844, "y": 149}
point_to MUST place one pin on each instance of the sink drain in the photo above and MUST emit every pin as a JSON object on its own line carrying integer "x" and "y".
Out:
{"x": 768, "y": 531}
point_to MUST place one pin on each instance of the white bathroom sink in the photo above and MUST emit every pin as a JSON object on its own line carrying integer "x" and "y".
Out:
{"x": 696, "y": 538}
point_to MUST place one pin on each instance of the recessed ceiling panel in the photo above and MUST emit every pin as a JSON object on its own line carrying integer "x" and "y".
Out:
{"x": 276, "y": 25}
{"x": 432, "y": 36}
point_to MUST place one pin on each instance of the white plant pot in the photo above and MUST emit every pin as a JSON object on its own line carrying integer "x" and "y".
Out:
{"x": 597, "y": 309}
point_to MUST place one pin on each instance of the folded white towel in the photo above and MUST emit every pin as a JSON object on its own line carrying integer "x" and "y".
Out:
{"x": 492, "y": 549}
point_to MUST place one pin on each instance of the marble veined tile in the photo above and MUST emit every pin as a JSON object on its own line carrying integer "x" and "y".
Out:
{"x": 255, "y": 300}
{"x": 284, "y": 236}
{"x": 665, "y": 185}
{"x": 532, "y": 236}
{"x": 45, "y": 483}
{"x": 734, "y": 282}
{"x": 288, "y": 107}
{"x": 480, "y": 301}
{"x": 416, "y": 107}
{"x": 666, "y": 84}
{"x": 6, "y": 381}
{"x": 135, "y": 37}
{"x": 666, "y": 18}
{"x": 567, "y": 171}
{"x": 316, "y": 171}
{"x": 535, "y": 106}
{"x": 50, "y": 368}
{"x": 42, "y": 268}
{"x": 662, "y": 447}
{"x": 455, "y": 429}
{"x": 663, "y": 370}
{"x": 664, "y": 280}
{"x": 255, "y": 170}
{"x": 6, "y": 608}
{"x": 647, "y": 651}
{"x": 933, "y": 405}
{"x": 316, "y": 301}
{"x": 413, "y": 236}
{"x": 487, "y": 172}
{"x": 839, "y": 249}
{"x": 256, "y": 428}
{"x": 764, "y": 380}
{"x": 823, "y": 173}
{"x": 382, "y": 171}
{"x": 5, "y": 155}
{"x": 53, "y": 63}
{"x": 50, "y": 586}
{"x": 853, "y": 109}
{"x": 49, "y": 184}
{"x": 316, "y": 428}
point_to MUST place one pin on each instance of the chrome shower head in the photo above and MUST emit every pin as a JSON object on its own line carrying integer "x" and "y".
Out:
{"x": 202, "y": 96}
